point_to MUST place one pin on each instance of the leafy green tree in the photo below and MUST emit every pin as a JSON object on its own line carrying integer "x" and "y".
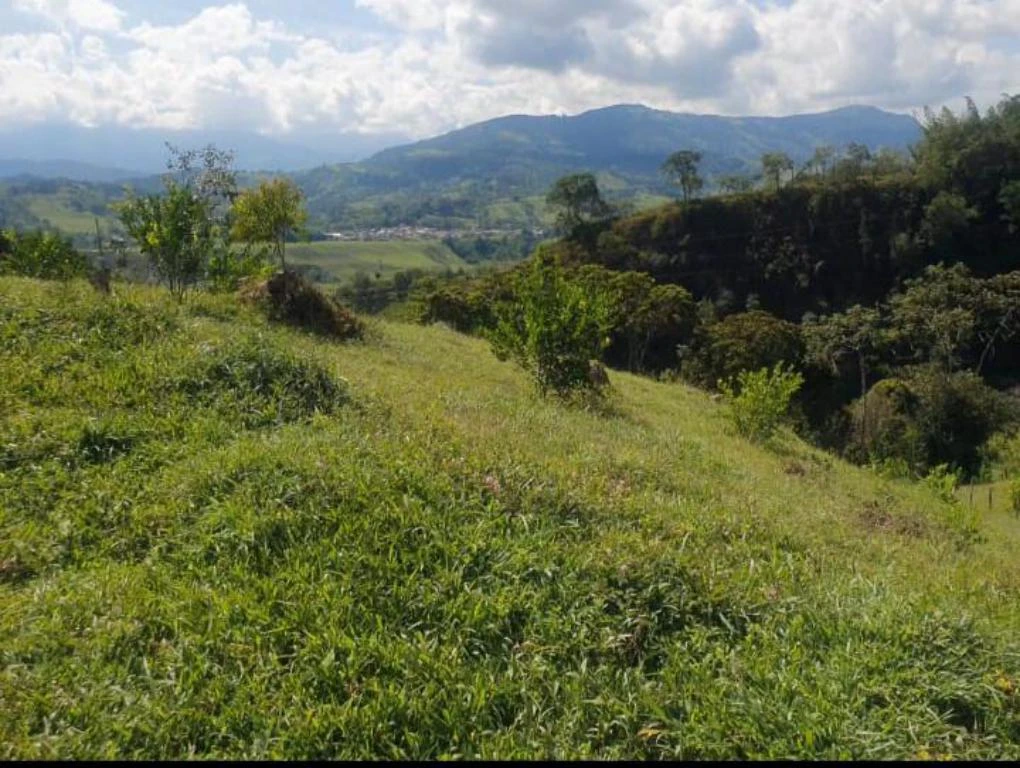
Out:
{"x": 859, "y": 332}
{"x": 747, "y": 341}
{"x": 927, "y": 417}
{"x": 643, "y": 313}
{"x": 856, "y": 160}
{"x": 208, "y": 172}
{"x": 971, "y": 154}
{"x": 1009, "y": 199}
{"x": 269, "y": 213}
{"x": 578, "y": 205}
{"x": 554, "y": 328}
{"x": 946, "y": 217}
{"x": 174, "y": 231}
{"x": 933, "y": 319}
{"x": 949, "y": 317}
{"x": 774, "y": 165}
{"x": 821, "y": 161}
{"x": 681, "y": 169}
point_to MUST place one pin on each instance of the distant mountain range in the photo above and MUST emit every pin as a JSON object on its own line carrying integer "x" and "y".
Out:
{"x": 492, "y": 173}
{"x": 113, "y": 153}
{"x": 635, "y": 140}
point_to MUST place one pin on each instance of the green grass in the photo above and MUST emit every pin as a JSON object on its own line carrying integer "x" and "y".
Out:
{"x": 344, "y": 259}
{"x": 999, "y": 513}
{"x": 220, "y": 538}
{"x": 58, "y": 211}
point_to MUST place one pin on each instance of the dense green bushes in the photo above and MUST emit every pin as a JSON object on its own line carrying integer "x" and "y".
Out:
{"x": 742, "y": 342}
{"x": 928, "y": 418}
{"x": 40, "y": 254}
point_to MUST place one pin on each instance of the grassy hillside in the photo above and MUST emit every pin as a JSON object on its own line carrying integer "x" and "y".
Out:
{"x": 223, "y": 539}
{"x": 343, "y": 259}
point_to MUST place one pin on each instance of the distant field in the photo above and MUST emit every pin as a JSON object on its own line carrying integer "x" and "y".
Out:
{"x": 56, "y": 210}
{"x": 343, "y": 259}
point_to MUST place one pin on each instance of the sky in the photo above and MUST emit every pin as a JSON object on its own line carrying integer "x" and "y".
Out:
{"x": 287, "y": 68}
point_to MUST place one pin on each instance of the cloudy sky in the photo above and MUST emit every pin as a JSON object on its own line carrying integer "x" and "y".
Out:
{"x": 419, "y": 67}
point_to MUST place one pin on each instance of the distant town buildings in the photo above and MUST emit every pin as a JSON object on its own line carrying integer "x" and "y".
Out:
{"x": 409, "y": 232}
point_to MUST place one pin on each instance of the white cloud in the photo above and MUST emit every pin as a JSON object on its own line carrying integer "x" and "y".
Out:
{"x": 451, "y": 62}
{"x": 85, "y": 14}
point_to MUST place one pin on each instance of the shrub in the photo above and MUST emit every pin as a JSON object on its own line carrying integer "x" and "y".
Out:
{"x": 943, "y": 482}
{"x": 41, "y": 254}
{"x": 760, "y": 400}
{"x": 463, "y": 308}
{"x": 929, "y": 418}
{"x": 884, "y": 426}
{"x": 290, "y": 298}
{"x": 1014, "y": 496}
{"x": 228, "y": 267}
{"x": 553, "y": 330}
{"x": 743, "y": 342}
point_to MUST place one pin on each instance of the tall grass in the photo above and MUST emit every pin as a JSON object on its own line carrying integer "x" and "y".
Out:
{"x": 219, "y": 538}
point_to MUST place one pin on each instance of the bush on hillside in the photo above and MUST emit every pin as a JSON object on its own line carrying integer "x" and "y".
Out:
{"x": 885, "y": 426}
{"x": 42, "y": 255}
{"x": 290, "y": 298}
{"x": 554, "y": 329}
{"x": 464, "y": 308}
{"x": 759, "y": 400}
{"x": 748, "y": 341}
{"x": 928, "y": 418}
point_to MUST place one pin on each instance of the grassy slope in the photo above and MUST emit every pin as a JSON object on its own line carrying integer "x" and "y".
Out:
{"x": 344, "y": 259}
{"x": 441, "y": 565}
{"x": 56, "y": 209}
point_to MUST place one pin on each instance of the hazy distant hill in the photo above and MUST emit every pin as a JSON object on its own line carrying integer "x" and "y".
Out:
{"x": 490, "y": 169}
{"x": 636, "y": 139}
{"x": 63, "y": 169}
{"x": 143, "y": 151}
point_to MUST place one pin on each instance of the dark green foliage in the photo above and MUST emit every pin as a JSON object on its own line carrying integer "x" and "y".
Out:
{"x": 554, "y": 328}
{"x": 580, "y": 211}
{"x": 647, "y": 321}
{"x": 743, "y": 342}
{"x": 928, "y": 418}
{"x": 885, "y": 425}
{"x": 479, "y": 249}
{"x": 858, "y": 334}
{"x": 365, "y": 294}
{"x": 465, "y": 305}
{"x": 775, "y": 167}
{"x": 948, "y": 316}
{"x": 40, "y": 254}
{"x": 681, "y": 170}
{"x": 288, "y": 297}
